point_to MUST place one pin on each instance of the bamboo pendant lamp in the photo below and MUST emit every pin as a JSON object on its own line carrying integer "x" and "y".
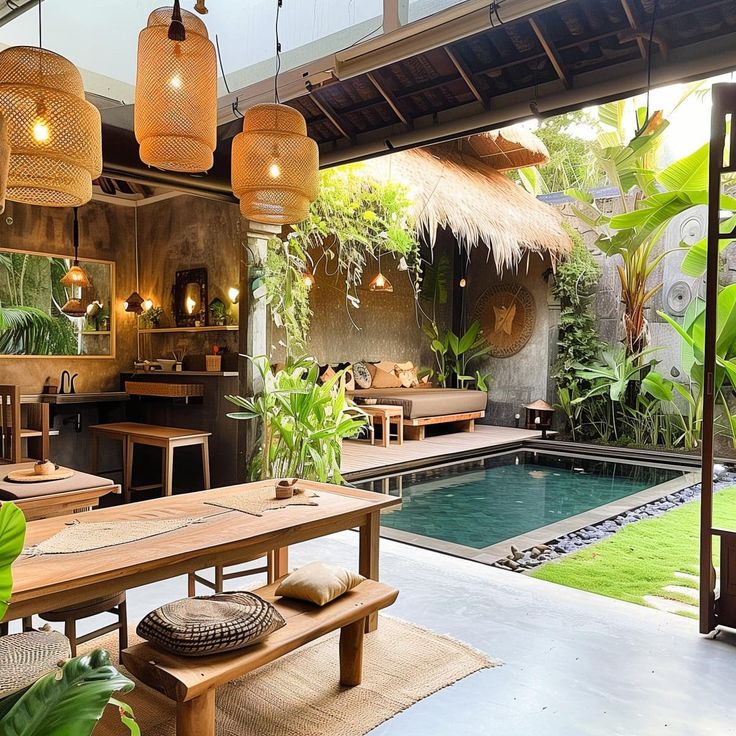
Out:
{"x": 55, "y": 134}
{"x": 275, "y": 166}
{"x": 4, "y": 161}
{"x": 176, "y": 92}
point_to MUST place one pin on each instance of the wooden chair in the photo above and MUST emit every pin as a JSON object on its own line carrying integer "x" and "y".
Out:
{"x": 12, "y": 433}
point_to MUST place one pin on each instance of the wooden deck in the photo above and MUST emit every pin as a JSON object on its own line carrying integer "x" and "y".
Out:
{"x": 360, "y": 457}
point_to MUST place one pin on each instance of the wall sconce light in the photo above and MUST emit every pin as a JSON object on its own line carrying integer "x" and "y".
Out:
{"x": 233, "y": 294}
{"x": 463, "y": 283}
{"x": 134, "y": 303}
{"x": 147, "y": 304}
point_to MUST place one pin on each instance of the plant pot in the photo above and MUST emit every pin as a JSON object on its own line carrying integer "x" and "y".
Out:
{"x": 213, "y": 362}
{"x": 285, "y": 488}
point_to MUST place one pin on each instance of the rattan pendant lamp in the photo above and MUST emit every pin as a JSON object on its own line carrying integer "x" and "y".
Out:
{"x": 75, "y": 279}
{"x": 55, "y": 134}
{"x": 176, "y": 92}
{"x": 275, "y": 165}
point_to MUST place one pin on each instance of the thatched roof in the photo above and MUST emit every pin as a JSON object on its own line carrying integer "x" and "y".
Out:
{"x": 508, "y": 148}
{"x": 478, "y": 204}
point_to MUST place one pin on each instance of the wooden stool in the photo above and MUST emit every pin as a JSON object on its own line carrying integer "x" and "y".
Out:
{"x": 218, "y": 584}
{"x": 115, "y": 604}
{"x": 386, "y": 415}
{"x": 12, "y": 433}
{"x": 167, "y": 438}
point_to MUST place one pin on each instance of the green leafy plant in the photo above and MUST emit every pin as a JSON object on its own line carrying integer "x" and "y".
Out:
{"x": 464, "y": 349}
{"x": 12, "y": 536}
{"x": 578, "y": 341}
{"x": 151, "y": 317}
{"x": 217, "y": 311}
{"x": 302, "y": 421}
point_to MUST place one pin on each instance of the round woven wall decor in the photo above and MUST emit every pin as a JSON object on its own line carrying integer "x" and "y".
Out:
{"x": 507, "y": 315}
{"x": 176, "y": 95}
{"x": 55, "y": 135}
{"x": 275, "y": 165}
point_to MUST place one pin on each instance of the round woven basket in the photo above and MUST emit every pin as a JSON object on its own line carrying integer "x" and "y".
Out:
{"x": 26, "y": 657}
{"x": 29, "y": 475}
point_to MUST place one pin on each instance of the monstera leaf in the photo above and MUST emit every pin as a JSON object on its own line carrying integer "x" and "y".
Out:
{"x": 65, "y": 703}
{"x": 12, "y": 535}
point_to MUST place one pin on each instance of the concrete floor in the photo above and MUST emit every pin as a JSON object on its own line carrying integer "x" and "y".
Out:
{"x": 575, "y": 664}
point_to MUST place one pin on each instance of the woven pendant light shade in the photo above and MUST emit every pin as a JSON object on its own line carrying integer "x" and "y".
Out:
{"x": 55, "y": 134}
{"x": 176, "y": 95}
{"x": 275, "y": 166}
{"x": 4, "y": 161}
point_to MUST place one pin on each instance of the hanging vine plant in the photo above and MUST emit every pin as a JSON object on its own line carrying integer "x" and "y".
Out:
{"x": 354, "y": 218}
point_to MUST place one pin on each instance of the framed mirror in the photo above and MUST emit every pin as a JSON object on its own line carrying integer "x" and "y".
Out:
{"x": 190, "y": 298}
{"x": 32, "y": 298}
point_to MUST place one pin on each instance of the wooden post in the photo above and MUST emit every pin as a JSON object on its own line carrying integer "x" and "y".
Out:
{"x": 253, "y": 321}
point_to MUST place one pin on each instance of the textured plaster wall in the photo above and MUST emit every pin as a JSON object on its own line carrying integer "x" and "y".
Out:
{"x": 522, "y": 378}
{"x": 105, "y": 232}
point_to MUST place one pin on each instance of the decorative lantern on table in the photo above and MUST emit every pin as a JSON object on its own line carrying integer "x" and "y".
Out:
{"x": 539, "y": 416}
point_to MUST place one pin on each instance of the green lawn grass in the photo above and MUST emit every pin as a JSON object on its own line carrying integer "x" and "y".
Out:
{"x": 642, "y": 558}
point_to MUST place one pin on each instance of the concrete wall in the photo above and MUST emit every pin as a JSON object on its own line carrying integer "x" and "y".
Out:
{"x": 105, "y": 232}
{"x": 522, "y": 378}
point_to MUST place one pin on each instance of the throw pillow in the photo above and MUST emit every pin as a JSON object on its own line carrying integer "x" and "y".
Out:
{"x": 404, "y": 366}
{"x": 387, "y": 365}
{"x": 349, "y": 377}
{"x": 408, "y": 377}
{"x": 193, "y": 627}
{"x": 326, "y": 374}
{"x": 318, "y": 583}
{"x": 362, "y": 375}
{"x": 384, "y": 379}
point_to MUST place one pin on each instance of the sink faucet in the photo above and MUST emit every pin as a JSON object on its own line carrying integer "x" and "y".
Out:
{"x": 65, "y": 376}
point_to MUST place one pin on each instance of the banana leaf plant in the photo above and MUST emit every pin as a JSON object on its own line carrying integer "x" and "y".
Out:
{"x": 12, "y": 536}
{"x": 302, "y": 421}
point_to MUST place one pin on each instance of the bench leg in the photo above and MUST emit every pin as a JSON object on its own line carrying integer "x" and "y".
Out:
{"x": 414, "y": 433}
{"x": 196, "y": 717}
{"x": 351, "y": 653}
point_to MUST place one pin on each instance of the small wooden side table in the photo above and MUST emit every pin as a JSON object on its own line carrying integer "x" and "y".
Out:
{"x": 385, "y": 415}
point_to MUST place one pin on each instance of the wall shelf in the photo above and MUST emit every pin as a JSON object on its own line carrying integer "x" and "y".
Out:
{"x": 212, "y": 328}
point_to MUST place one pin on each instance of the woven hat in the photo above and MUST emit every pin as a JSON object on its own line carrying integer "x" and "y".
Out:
{"x": 193, "y": 627}
{"x": 26, "y": 657}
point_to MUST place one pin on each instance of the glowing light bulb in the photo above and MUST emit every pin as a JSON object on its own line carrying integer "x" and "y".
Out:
{"x": 176, "y": 82}
{"x": 233, "y": 293}
{"x": 40, "y": 130}
{"x": 308, "y": 280}
{"x": 190, "y": 304}
{"x": 463, "y": 282}
{"x": 147, "y": 304}
{"x": 274, "y": 170}
{"x": 380, "y": 281}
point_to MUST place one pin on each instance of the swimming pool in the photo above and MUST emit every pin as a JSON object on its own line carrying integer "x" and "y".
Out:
{"x": 481, "y": 502}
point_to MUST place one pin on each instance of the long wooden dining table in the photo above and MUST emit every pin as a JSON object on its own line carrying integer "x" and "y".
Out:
{"x": 221, "y": 537}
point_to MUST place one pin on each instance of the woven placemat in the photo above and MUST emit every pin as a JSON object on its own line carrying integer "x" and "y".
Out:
{"x": 29, "y": 475}
{"x": 257, "y": 501}
{"x": 81, "y": 536}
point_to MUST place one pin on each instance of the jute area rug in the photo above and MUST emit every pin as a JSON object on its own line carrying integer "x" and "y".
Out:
{"x": 299, "y": 695}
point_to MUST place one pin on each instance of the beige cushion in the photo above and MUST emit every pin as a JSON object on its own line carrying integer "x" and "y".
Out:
{"x": 319, "y": 583}
{"x": 349, "y": 378}
{"x": 327, "y": 375}
{"x": 385, "y": 379}
{"x": 404, "y": 366}
{"x": 386, "y": 365}
{"x": 407, "y": 376}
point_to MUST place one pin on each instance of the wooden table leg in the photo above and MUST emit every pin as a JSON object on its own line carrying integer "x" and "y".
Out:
{"x": 400, "y": 430}
{"x": 167, "y": 471}
{"x": 95, "y": 464}
{"x": 128, "y": 475}
{"x": 386, "y": 429}
{"x": 368, "y": 557}
{"x": 196, "y": 717}
{"x": 206, "y": 462}
{"x": 278, "y": 564}
{"x": 351, "y": 654}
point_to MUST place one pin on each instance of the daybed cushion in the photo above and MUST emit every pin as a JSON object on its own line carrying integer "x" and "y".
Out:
{"x": 428, "y": 402}
{"x": 223, "y": 622}
{"x": 10, "y": 491}
{"x": 318, "y": 583}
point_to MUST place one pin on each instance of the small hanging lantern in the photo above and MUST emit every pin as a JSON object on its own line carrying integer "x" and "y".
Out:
{"x": 176, "y": 92}
{"x": 75, "y": 279}
{"x": 4, "y": 161}
{"x": 275, "y": 165}
{"x": 134, "y": 303}
{"x": 55, "y": 135}
{"x": 539, "y": 416}
{"x": 379, "y": 282}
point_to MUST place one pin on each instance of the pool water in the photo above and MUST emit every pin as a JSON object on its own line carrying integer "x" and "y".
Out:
{"x": 481, "y": 502}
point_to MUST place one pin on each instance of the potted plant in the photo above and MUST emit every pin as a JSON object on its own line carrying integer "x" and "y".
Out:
{"x": 70, "y": 699}
{"x": 302, "y": 421}
{"x": 151, "y": 318}
{"x": 218, "y": 313}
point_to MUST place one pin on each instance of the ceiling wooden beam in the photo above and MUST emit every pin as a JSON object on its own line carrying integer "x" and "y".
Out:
{"x": 634, "y": 25}
{"x": 467, "y": 75}
{"x": 329, "y": 112}
{"x": 390, "y": 99}
{"x": 551, "y": 52}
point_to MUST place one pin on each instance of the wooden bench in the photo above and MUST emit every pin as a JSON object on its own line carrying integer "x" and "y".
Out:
{"x": 414, "y": 429}
{"x": 192, "y": 681}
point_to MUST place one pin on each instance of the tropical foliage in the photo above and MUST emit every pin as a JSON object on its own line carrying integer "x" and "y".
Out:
{"x": 302, "y": 421}
{"x": 454, "y": 354}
